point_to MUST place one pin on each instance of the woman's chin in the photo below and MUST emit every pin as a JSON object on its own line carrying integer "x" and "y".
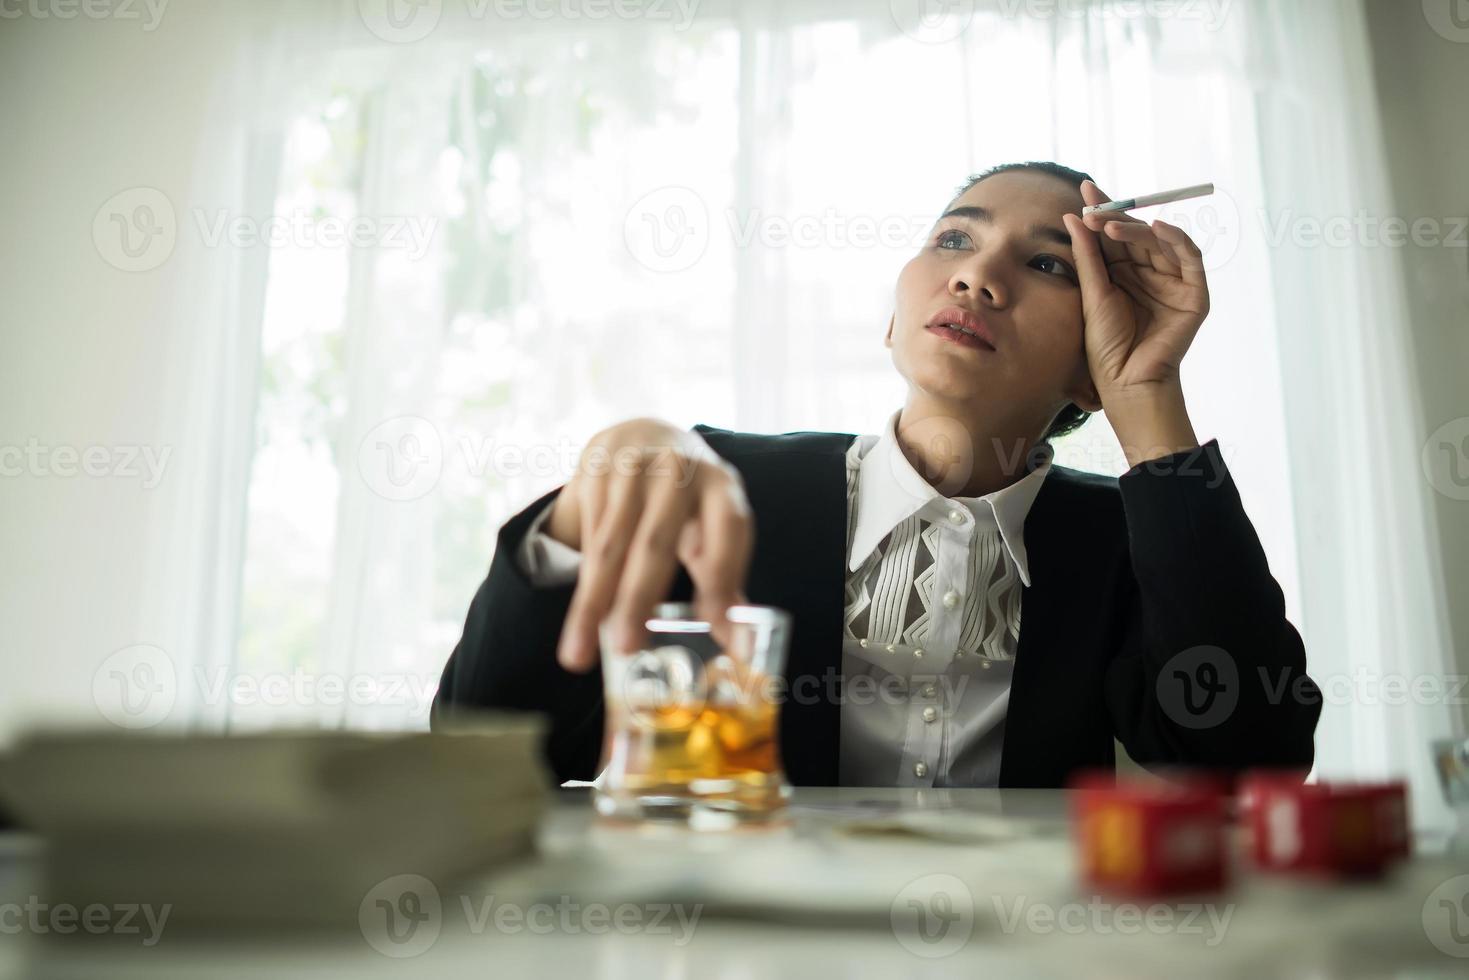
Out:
{"x": 944, "y": 376}
{"x": 948, "y": 382}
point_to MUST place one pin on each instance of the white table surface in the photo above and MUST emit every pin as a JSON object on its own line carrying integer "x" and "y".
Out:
{"x": 815, "y": 899}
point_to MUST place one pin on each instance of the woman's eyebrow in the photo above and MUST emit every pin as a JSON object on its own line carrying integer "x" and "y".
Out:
{"x": 974, "y": 212}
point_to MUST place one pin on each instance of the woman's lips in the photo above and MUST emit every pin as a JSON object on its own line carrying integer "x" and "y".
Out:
{"x": 959, "y": 337}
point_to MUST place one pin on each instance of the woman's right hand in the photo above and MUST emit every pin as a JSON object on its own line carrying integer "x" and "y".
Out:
{"x": 646, "y": 496}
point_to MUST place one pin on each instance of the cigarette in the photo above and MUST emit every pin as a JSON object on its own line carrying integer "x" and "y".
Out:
{"x": 1148, "y": 200}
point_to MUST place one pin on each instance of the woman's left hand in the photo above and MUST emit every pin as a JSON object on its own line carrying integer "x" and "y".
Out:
{"x": 1143, "y": 297}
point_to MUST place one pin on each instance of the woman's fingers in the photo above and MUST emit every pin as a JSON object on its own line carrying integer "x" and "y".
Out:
{"x": 1188, "y": 255}
{"x": 592, "y": 502}
{"x": 652, "y": 560}
{"x": 1092, "y": 194}
{"x": 1144, "y": 285}
{"x": 1175, "y": 272}
{"x": 726, "y": 541}
{"x": 1144, "y": 246}
{"x": 1113, "y": 249}
{"x": 667, "y": 498}
{"x": 1091, "y": 265}
{"x": 606, "y": 539}
{"x": 1096, "y": 220}
{"x": 1124, "y": 234}
{"x": 1167, "y": 248}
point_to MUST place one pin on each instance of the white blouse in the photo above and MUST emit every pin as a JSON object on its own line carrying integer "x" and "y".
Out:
{"x": 931, "y": 623}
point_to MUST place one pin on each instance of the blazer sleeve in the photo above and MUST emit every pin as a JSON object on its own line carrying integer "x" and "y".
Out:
{"x": 543, "y": 559}
{"x": 506, "y": 657}
{"x": 1210, "y": 673}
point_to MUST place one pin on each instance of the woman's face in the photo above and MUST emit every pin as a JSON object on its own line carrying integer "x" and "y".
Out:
{"x": 1001, "y": 253}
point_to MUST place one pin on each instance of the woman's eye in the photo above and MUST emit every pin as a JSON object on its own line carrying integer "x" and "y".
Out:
{"x": 952, "y": 239}
{"x": 1059, "y": 266}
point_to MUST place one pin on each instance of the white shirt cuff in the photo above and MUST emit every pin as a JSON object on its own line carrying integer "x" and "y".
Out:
{"x": 544, "y": 560}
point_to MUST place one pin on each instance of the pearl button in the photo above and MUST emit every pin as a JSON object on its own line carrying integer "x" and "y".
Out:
{"x": 985, "y": 664}
{"x": 951, "y": 599}
{"x": 930, "y": 713}
{"x": 892, "y": 648}
{"x": 920, "y": 769}
{"x": 958, "y": 654}
{"x": 918, "y": 651}
{"x": 862, "y": 643}
{"x": 957, "y": 516}
{"x": 928, "y": 691}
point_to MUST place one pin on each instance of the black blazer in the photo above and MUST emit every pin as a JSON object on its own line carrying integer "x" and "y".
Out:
{"x": 1151, "y": 616}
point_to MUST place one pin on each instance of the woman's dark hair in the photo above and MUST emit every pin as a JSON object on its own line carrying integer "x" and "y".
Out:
{"x": 1070, "y": 418}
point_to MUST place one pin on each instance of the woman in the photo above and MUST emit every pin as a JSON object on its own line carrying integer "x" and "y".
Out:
{"x": 1029, "y": 614}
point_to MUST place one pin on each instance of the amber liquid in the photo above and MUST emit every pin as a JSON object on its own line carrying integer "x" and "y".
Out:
{"x": 712, "y": 753}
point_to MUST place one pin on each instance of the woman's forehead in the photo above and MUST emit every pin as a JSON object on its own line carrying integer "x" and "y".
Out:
{"x": 1023, "y": 195}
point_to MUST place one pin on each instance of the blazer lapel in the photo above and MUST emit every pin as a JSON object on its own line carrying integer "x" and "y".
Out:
{"x": 1049, "y": 722}
{"x": 800, "y": 502}
{"x": 797, "y": 487}
{"x": 1039, "y": 625}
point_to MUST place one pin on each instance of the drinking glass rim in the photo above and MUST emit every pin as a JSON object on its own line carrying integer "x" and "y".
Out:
{"x": 678, "y": 617}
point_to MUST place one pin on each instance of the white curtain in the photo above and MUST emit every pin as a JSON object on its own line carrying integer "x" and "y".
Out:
{"x": 703, "y": 220}
{"x": 1374, "y": 599}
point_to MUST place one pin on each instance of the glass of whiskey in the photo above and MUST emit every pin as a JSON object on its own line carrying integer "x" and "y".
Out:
{"x": 692, "y": 727}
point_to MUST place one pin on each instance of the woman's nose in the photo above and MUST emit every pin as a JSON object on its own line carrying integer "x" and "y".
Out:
{"x": 979, "y": 283}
